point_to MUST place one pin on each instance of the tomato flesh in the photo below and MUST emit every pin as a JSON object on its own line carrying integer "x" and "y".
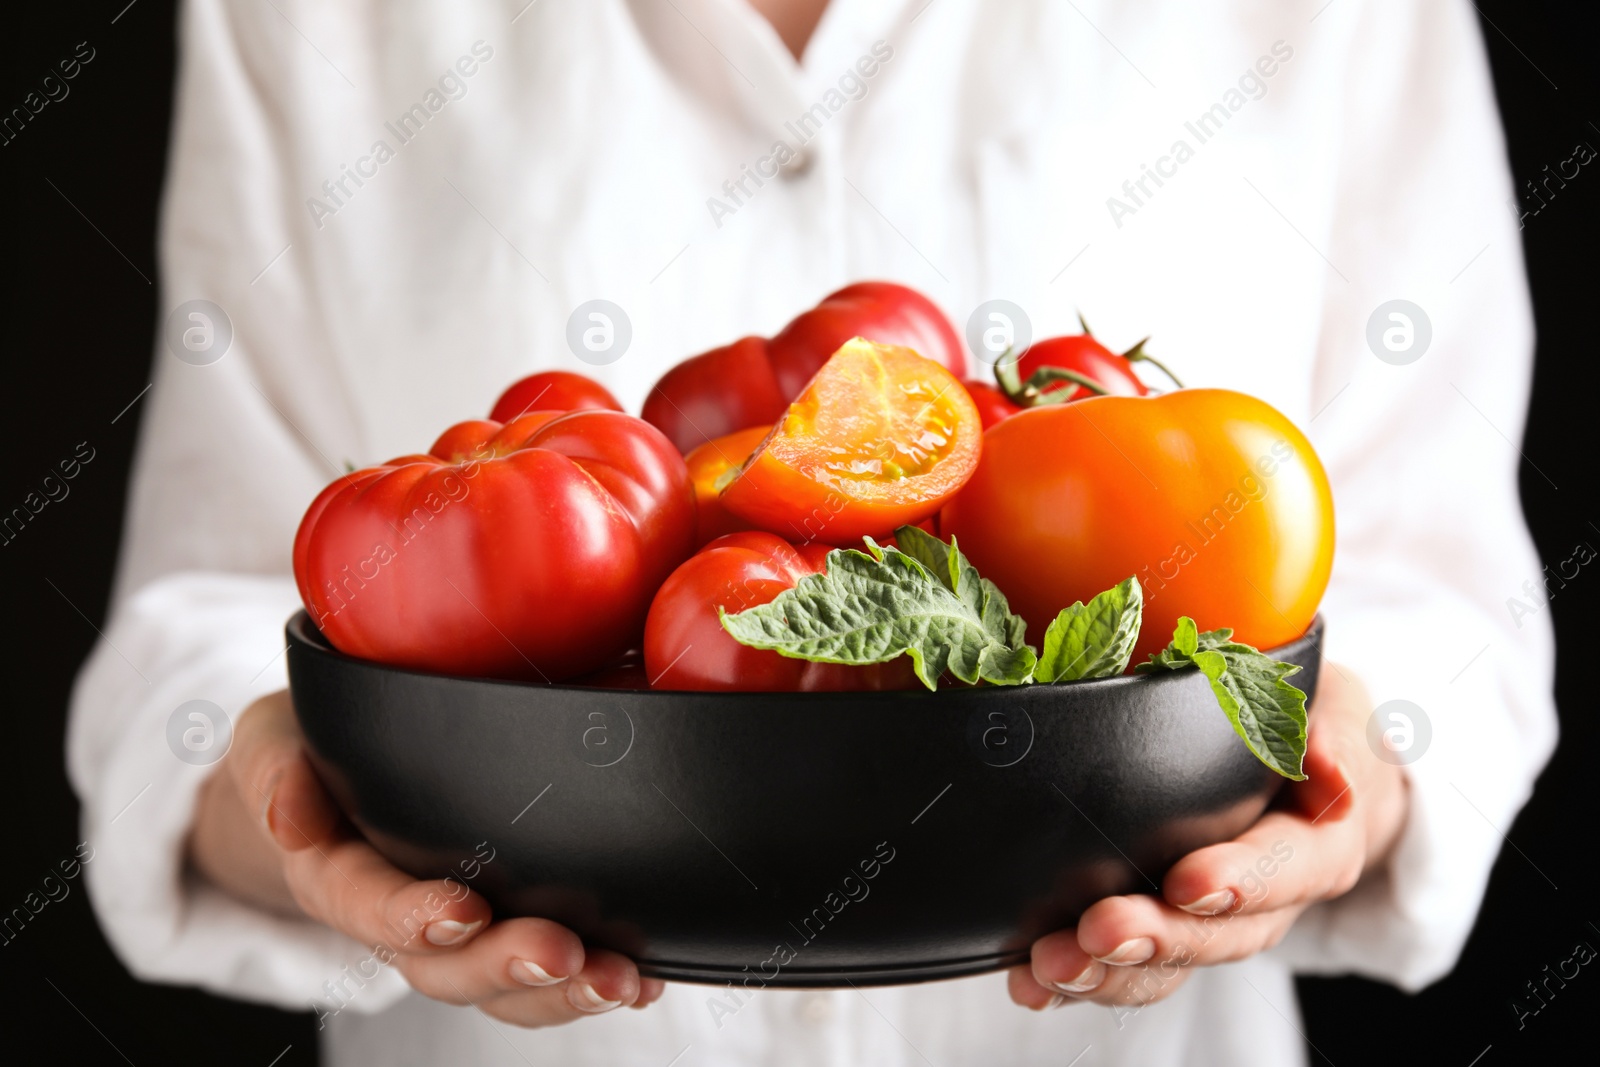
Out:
{"x": 712, "y": 466}
{"x": 880, "y": 438}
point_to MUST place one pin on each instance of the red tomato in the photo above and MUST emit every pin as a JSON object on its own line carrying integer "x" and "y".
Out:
{"x": 993, "y": 405}
{"x": 879, "y": 311}
{"x": 685, "y": 646}
{"x": 553, "y": 390}
{"x": 625, "y": 673}
{"x": 528, "y": 550}
{"x": 1213, "y": 499}
{"x": 712, "y": 466}
{"x": 1080, "y": 352}
{"x": 881, "y": 438}
{"x": 749, "y": 382}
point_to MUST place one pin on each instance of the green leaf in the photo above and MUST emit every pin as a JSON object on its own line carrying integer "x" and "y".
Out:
{"x": 1093, "y": 640}
{"x": 1185, "y": 643}
{"x": 956, "y": 572}
{"x": 871, "y": 608}
{"x": 1185, "y": 638}
{"x": 1267, "y": 712}
{"x": 944, "y": 560}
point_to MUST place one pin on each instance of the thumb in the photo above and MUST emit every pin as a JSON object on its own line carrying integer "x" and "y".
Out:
{"x": 275, "y": 779}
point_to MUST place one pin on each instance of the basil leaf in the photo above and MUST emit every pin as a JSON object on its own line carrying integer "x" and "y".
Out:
{"x": 878, "y": 607}
{"x": 1267, "y": 712}
{"x": 1093, "y": 640}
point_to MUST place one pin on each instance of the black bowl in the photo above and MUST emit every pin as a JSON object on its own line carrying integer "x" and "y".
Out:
{"x": 796, "y": 839}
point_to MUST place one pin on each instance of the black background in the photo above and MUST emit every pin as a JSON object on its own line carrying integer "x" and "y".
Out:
{"x": 80, "y": 189}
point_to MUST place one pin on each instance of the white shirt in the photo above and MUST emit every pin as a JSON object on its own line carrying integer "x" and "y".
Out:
{"x": 985, "y": 157}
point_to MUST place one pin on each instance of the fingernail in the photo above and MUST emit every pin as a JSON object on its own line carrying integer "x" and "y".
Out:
{"x": 447, "y": 932}
{"x": 529, "y": 973}
{"x": 1055, "y": 1002}
{"x": 1137, "y": 950}
{"x": 1212, "y": 903}
{"x": 1089, "y": 979}
{"x": 585, "y": 997}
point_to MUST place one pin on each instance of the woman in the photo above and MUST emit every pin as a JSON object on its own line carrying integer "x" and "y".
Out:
{"x": 394, "y": 216}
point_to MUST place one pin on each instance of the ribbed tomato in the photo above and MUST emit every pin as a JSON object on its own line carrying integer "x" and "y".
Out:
{"x": 524, "y": 550}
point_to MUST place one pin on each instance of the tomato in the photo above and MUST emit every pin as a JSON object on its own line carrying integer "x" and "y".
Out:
{"x": 992, "y": 404}
{"x": 524, "y": 550}
{"x": 881, "y": 438}
{"x": 1214, "y": 499}
{"x": 1061, "y": 370}
{"x": 1082, "y": 354}
{"x": 749, "y": 382}
{"x": 685, "y": 646}
{"x": 711, "y": 466}
{"x": 625, "y": 673}
{"x": 879, "y": 311}
{"x": 553, "y": 390}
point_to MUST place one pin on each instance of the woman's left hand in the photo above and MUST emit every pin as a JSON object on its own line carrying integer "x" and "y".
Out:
{"x": 1238, "y": 898}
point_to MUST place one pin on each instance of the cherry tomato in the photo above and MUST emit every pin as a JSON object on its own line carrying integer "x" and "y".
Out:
{"x": 1213, "y": 499}
{"x": 1081, "y": 353}
{"x": 1061, "y": 370}
{"x": 553, "y": 390}
{"x": 749, "y": 382}
{"x": 881, "y": 438}
{"x": 524, "y": 550}
{"x": 685, "y": 646}
{"x": 711, "y": 466}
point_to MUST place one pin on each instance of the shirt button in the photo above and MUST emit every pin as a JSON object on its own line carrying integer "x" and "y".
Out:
{"x": 817, "y": 1008}
{"x": 797, "y": 165}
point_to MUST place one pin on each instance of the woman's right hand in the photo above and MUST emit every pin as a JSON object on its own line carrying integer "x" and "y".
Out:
{"x": 266, "y": 831}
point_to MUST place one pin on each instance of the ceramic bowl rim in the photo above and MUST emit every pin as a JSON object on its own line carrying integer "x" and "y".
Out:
{"x": 304, "y": 635}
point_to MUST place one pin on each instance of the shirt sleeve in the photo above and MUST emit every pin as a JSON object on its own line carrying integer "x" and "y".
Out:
{"x": 1423, "y": 451}
{"x": 225, "y": 465}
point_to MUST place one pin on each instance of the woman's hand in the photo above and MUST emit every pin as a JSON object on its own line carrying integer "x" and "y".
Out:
{"x": 266, "y": 831}
{"x": 1235, "y": 899}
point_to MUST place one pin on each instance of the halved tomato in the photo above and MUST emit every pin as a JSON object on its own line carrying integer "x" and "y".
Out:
{"x": 880, "y": 438}
{"x": 712, "y": 466}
